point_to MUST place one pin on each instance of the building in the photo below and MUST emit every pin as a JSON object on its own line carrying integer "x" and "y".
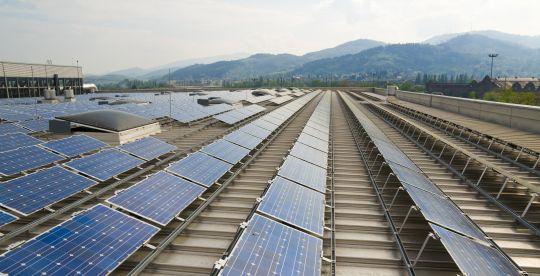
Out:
{"x": 30, "y": 80}
{"x": 519, "y": 84}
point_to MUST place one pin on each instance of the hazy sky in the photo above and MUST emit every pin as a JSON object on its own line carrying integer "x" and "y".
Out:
{"x": 107, "y": 35}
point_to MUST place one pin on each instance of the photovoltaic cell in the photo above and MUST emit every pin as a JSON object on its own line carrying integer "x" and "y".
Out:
{"x": 159, "y": 198}
{"x": 16, "y": 140}
{"x": 305, "y": 173}
{"x": 309, "y": 154}
{"x": 33, "y": 192}
{"x": 313, "y": 142}
{"x": 264, "y": 124}
{"x": 474, "y": 258}
{"x": 105, "y": 164}
{"x": 6, "y": 218}
{"x": 315, "y": 133}
{"x": 11, "y": 128}
{"x": 94, "y": 242}
{"x": 22, "y": 159}
{"x": 226, "y": 151}
{"x": 255, "y": 131}
{"x": 443, "y": 212}
{"x": 148, "y": 148}
{"x": 74, "y": 145}
{"x": 267, "y": 247}
{"x": 36, "y": 125}
{"x": 243, "y": 139}
{"x": 294, "y": 204}
{"x": 200, "y": 168}
{"x": 410, "y": 177}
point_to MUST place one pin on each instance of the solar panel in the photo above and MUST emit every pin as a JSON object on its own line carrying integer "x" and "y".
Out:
{"x": 74, "y": 145}
{"x": 148, "y": 148}
{"x": 36, "y": 125}
{"x": 443, "y": 212}
{"x": 33, "y": 192}
{"x": 16, "y": 140}
{"x": 274, "y": 120}
{"x": 227, "y": 118}
{"x": 158, "y": 198}
{"x": 105, "y": 164}
{"x": 200, "y": 168}
{"x": 255, "y": 131}
{"x": 267, "y": 247}
{"x": 22, "y": 159}
{"x": 11, "y": 128}
{"x": 243, "y": 139}
{"x": 313, "y": 142}
{"x": 474, "y": 258}
{"x": 255, "y": 108}
{"x": 94, "y": 242}
{"x": 6, "y": 218}
{"x": 264, "y": 124}
{"x": 318, "y": 126}
{"x": 311, "y": 155}
{"x": 305, "y": 173}
{"x": 315, "y": 133}
{"x": 226, "y": 151}
{"x": 294, "y": 204}
{"x": 280, "y": 100}
{"x": 410, "y": 177}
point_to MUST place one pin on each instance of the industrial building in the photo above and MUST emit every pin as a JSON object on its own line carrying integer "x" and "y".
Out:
{"x": 323, "y": 182}
{"x": 20, "y": 80}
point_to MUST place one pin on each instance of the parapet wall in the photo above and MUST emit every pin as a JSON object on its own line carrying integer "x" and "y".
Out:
{"x": 516, "y": 116}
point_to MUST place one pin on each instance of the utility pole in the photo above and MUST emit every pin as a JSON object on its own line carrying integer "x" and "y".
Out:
{"x": 78, "y": 80}
{"x": 492, "y": 56}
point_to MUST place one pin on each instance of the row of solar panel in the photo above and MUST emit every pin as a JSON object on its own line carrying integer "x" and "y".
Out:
{"x": 466, "y": 243}
{"x": 295, "y": 197}
{"x": 234, "y": 116}
{"x": 38, "y": 125}
{"x": 99, "y": 239}
{"x": 166, "y": 194}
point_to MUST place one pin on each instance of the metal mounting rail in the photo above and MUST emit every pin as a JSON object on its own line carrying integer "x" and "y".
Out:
{"x": 109, "y": 187}
{"x": 355, "y": 126}
{"x": 180, "y": 229}
{"x": 467, "y": 135}
{"x": 404, "y": 127}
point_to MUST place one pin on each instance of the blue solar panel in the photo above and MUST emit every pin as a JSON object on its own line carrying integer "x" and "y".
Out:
{"x": 313, "y": 142}
{"x": 243, "y": 139}
{"x": 74, "y": 145}
{"x": 294, "y": 204}
{"x": 474, "y": 258}
{"x": 267, "y": 247}
{"x": 200, "y": 168}
{"x": 159, "y": 198}
{"x": 6, "y": 218}
{"x": 315, "y": 133}
{"x": 11, "y": 128}
{"x": 22, "y": 159}
{"x": 226, "y": 151}
{"x": 33, "y": 192}
{"x": 16, "y": 140}
{"x": 105, "y": 164}
{"x": 148, "y": 148}
{"x": 309, "y": 154}
{"x": 305, "y": 173}
{"x": 36, "y": 125}
{"x": 94, "y": 242}
{"x": 255, "y": 131}
{"x": 410, "y": 177}
{"x": 443, "y": 212}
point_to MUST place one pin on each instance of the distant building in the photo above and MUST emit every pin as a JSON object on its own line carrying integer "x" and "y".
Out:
{"x": 90, "y": 88}
{"x": 30, "y": 80}
{"x": 485, "y": 85}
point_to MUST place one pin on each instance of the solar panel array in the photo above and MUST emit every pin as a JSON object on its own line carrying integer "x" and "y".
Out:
{"x": 33, "y": 192}
{"x": 74, "y": 145}
{"x": 26, "y": 158}
{"x": 282, "y": 99}
{"x": 13, "y": 141}
{"x": 94, "y": 242}
{"x": 11, "y": 128}
{"x": 105, "y": 164}
{"x": 240, "y": 114}
{"x": 463, "y": 239}
{"x": 148, "y": 148}
{"x": 294, "y": 199}
{"x": 6, "y": 218}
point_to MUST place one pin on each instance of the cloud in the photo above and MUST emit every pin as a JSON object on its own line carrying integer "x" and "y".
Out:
{"x": 109, "y": 35}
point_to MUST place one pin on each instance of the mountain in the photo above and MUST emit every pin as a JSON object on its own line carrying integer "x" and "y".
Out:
{"x": 253, "y": 66}
{"x": 130, "y": 72}
{"x": 462, "y": 54}
{"x": 351, "y": 47}
{"x": 267, "y": 64}
{"x": 523, "y": 40}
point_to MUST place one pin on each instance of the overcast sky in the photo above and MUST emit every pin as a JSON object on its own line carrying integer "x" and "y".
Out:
{"x": 107, "y": 35}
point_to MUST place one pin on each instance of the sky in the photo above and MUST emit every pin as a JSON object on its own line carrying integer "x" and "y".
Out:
{"x": 109, "y": 35}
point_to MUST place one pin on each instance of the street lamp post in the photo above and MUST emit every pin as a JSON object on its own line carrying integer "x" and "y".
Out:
{"x": 492, "y": 56}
